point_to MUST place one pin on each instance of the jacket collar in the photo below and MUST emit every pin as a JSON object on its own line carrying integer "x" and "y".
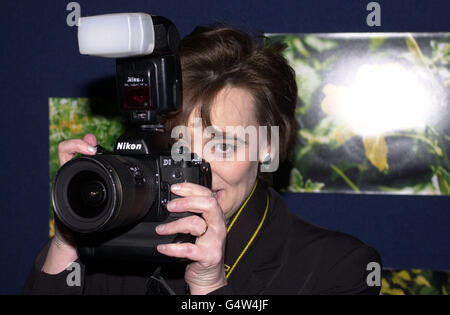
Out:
{"x": 244, "y": 229}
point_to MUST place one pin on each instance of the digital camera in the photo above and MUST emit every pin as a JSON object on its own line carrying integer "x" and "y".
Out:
{"x": 113, "y": 201}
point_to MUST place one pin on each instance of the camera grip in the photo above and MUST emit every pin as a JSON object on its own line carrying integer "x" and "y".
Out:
{"x": 138, "y": 243}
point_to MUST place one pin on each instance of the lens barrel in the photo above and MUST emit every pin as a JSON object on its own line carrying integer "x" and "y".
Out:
{"x": 103, "y": 192}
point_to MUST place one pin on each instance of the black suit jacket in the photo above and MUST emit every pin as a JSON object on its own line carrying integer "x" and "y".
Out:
{"x": 269, "y": 250}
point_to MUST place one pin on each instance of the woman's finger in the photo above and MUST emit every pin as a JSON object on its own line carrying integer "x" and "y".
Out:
{"x": 68, "y": 148}
{"x": 210, "y": 257}
{"x": 193, "y": 225}
{"x": 90, "y": 139}
{"x": 207, "y": 206}
{"x": 190, "y": 189}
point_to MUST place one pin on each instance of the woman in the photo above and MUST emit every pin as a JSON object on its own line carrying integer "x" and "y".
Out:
{"x": 248, "y": 242}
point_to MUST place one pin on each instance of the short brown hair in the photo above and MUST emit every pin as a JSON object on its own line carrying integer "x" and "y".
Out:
{"x": 215, "y": 57}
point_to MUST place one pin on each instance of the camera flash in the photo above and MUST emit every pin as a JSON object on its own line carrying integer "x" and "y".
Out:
{"x": 116, "y": 35}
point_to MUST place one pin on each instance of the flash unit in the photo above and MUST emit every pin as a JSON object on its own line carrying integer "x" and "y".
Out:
{"x": 148, "y": 71}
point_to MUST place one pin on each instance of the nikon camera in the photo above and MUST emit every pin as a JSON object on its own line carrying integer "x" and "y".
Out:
{"x": 113, "y": 201}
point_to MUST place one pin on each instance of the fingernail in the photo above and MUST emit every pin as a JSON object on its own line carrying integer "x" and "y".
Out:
{"x": 160, "y": 228}
{"x": 92, "y": 149}
{"x": 171, "y": 205}
{"x": 175, "y": 187}
{"x": 161, "y": 247}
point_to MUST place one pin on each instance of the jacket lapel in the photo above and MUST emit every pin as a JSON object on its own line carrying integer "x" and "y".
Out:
{"x": 245, "y": 228}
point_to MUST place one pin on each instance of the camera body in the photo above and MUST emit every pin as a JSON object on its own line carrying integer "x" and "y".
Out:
{"x": 113, "y": 201}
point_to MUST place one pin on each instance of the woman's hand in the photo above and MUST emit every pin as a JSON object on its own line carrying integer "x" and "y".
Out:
{"x": 67, "y": 149}
{"x": 62, "y": 251}
{"x": 206, "y": 273}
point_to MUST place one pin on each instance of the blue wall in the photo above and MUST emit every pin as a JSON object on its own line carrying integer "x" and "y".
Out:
{"x": 39, "y": 58}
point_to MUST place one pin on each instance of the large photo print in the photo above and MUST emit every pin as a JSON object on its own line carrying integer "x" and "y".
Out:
{"x": 373, "y": 111}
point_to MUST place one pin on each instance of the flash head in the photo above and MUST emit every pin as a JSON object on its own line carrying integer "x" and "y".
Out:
{"x": 148, "y": 70}
{"x": 126, "y": 35}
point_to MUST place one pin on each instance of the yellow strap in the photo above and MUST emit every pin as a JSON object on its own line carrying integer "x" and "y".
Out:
{"x": 243, "y": 206}
{"x": 253, "y": 237}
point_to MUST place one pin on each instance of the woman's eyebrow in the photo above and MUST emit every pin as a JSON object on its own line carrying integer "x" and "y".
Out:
{"x": 227, "y": 136}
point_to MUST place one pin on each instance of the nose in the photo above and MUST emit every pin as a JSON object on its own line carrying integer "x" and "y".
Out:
{"x": 215, "y": 179}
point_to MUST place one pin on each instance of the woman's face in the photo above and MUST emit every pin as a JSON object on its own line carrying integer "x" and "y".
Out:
{"x": 232, "y": 179}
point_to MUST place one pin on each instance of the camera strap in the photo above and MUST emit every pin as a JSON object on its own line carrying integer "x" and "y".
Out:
{"x": 157, "y": 285}
{"x": 245, "y": 226}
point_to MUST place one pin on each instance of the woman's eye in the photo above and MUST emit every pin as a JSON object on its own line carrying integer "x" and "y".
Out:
{"x": 225, "y": 147}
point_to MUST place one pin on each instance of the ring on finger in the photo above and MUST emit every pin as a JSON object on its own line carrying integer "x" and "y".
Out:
{"x": 204, "y": 231}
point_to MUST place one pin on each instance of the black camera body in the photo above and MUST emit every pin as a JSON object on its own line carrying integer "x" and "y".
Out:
{"x": 113, "y": 201}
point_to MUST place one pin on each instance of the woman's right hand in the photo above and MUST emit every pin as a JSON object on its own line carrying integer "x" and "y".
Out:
{"x": 62, "y": 251}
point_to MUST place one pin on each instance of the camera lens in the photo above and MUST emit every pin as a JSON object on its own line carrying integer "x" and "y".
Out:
{"x": 103, "y": 192}
{"x": 87, "y": 194}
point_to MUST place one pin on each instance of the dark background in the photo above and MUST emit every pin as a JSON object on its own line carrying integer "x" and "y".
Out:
{"x": 39, "y": 59}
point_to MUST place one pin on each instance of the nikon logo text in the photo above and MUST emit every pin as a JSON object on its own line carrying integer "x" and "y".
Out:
{"x": 128, "y": 146}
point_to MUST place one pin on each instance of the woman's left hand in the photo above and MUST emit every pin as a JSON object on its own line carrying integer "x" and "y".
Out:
{"x": 206, "y": 272}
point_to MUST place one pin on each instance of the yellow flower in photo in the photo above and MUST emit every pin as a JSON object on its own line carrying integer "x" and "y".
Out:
{"x": 376, "y": 151}
{"x": 421, "y": 280}
{"x": 51, "y": 231}
{"x": 404, "y": 274}
{"x": 75, "y": 128}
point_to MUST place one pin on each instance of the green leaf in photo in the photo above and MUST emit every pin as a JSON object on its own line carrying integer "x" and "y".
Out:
{"x": 427, "y": 291}
{"x": 308, "y": 80}
{"x": 314, "y": 138}
{"x": 297, "y": 183}
{"x": 415, "y": 51}
{"x": 443, "y": 179}
{"x": 345, "y": 166}
{"x": 297, "y": 43}
{"x": 296, "y": 179}
{"x": 441, "y": 52}
{"x": 311, "y": 186}
{"x": 320, "y": 44}
{"x": 376, "y": 42}
{"x": 345, "y": 178}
